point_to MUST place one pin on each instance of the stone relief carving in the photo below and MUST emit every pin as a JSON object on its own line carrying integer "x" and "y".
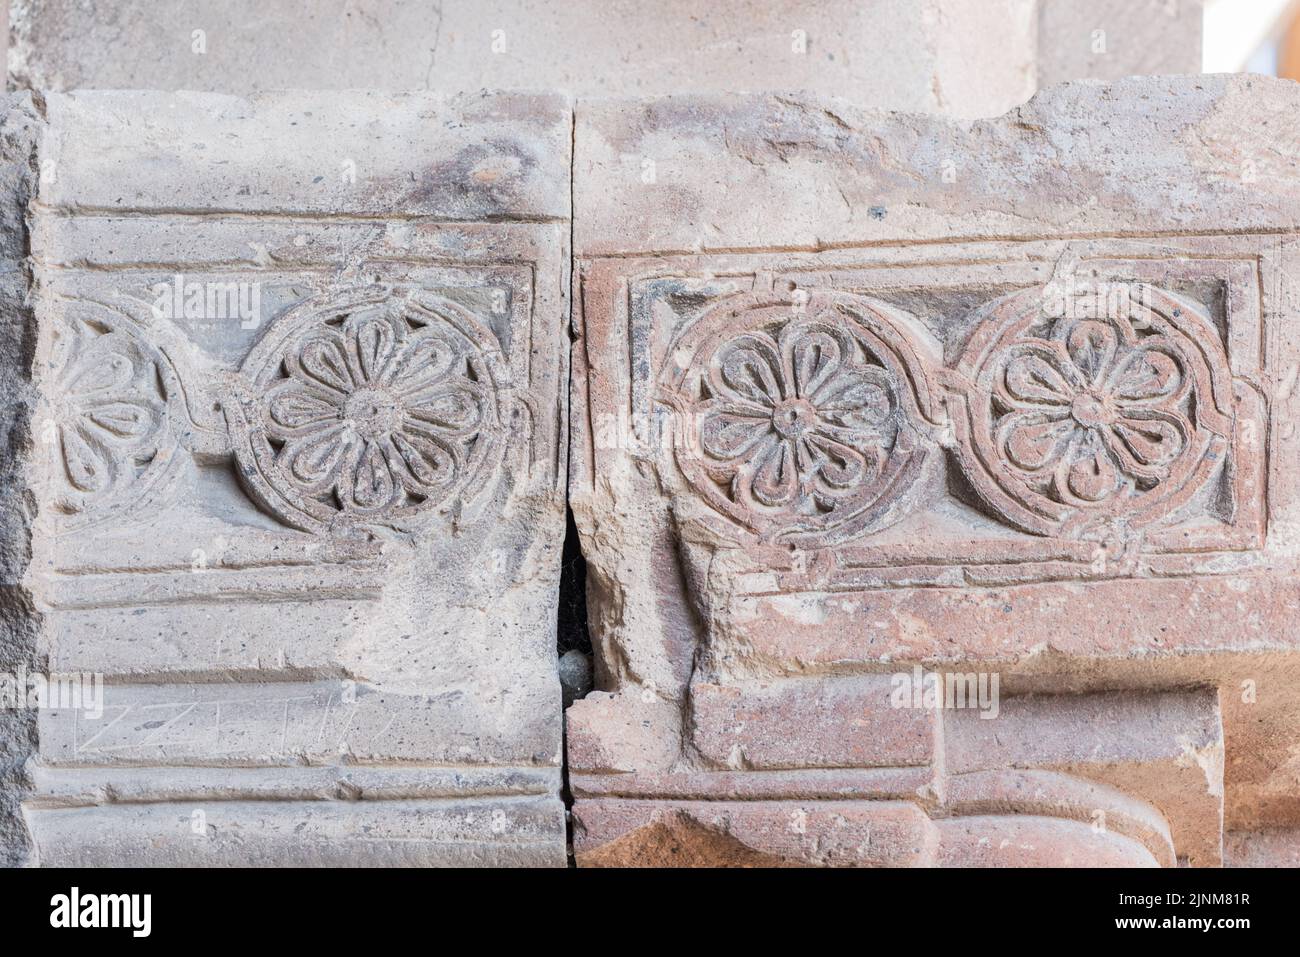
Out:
{"x": 803, "y": 414}
{"x": 107, "y": 423}
{"x": 1075, "y": 421}
{"x": 809, "y": 416}
{"x": 370, "y": 407}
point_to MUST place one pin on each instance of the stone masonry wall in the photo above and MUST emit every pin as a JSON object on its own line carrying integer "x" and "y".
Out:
{"x": 19, "y": 618}
{"x": 936, "y": 477}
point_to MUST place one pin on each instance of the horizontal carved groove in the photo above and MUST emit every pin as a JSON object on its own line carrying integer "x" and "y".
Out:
{"x": 72, "y": 787}
{"x": 211, "y": 213}
{"x": 936, "y": 241}
{"x": 759, "y": 785}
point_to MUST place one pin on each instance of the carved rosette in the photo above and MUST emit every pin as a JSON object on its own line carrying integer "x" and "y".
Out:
{"x": 805, "y": 419}
{"x": 1112, "y": 419}
{"x": 106, "y": 419}
{"x": 374, "y": 408}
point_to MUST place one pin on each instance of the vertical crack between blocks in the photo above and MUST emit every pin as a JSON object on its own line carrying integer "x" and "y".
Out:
{"x": 572, "y": 637}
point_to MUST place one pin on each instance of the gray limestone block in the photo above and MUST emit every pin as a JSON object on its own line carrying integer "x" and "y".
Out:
{"x": 296, "y": 467}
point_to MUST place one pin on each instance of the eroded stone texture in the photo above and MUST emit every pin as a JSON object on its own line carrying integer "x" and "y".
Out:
{"x": 19, "y": 619}
{"x": 861, "y": 396}
{"x": 300, "y": 370}
{"x": 959, "y": 57}
{"x": 1276, "y": 847}
{"x": 956, "y": 57}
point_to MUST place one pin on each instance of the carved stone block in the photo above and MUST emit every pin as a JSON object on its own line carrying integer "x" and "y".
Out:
{"x": 299, "y": 469}
{"x": 19, "y": 620}
{"x": 859, "y": 397}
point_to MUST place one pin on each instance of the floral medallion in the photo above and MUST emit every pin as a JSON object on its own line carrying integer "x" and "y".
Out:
{"x": 1075, "y": 422}
{"x": 803, "y": 417}
{"x": 106, "y": 418}
{"x": 371, "y": 409}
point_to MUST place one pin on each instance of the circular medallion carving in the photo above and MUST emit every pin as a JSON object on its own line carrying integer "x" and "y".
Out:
{"x": 371, "y": 409}
{"x": 1074, "y": 422}
{"x": 805, "y": 416}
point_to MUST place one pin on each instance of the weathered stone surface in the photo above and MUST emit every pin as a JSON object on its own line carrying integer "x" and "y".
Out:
{"x": 1047, "y": 171}
{"x": 401, "y": 833}
{"x": 751, "y": 834}
{"x": 840, "y": 722}
{"x": 1033, "y": 842}
{"x": 303, "y": 464}
{"x": 19, "y": 619}
{"x": 929, "y": 57}
{"x": 936, "y": 478}
{"x": 630, "y": 731}
{"x": 829, "y": 833}
{"x": 862, "y": 394}
{"x": 964, "y": 58}
{"x": 1162, "y": 747}
{"x": 1277, "y": 847}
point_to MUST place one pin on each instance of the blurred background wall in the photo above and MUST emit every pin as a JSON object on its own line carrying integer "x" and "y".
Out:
{"x": 963, "y": 58}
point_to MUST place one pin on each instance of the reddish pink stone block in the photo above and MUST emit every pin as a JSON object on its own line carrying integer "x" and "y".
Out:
{"x": 855, "y": 393}
{"x": 810, "y": 723}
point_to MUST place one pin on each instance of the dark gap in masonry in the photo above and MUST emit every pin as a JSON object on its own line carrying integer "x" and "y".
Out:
{"x": 572, "y": 635}
{"x": 571, "y": 627}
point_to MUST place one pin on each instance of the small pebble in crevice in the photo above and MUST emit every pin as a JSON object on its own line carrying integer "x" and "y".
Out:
{"x": 573, "y": 646}
{"x": 572, "y": 639}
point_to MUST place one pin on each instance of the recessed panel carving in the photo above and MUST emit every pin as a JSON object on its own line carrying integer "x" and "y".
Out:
{"x": 918, "y": 423}
{"x": 107, "y": 418}
{"x": 370, "y": 408}
{"x": 803, "y": 414}
{"x": 1080, "y": 421}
